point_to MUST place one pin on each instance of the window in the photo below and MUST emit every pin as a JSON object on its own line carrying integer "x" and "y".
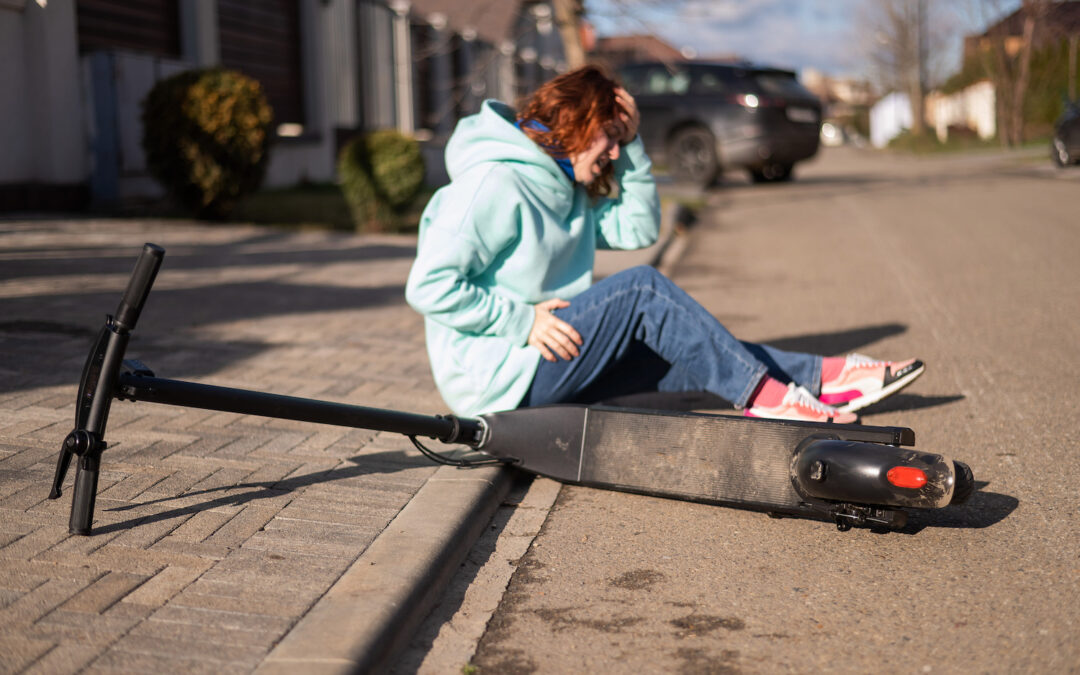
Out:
{"x": 261, "y": 38}
{"x": 145, "y": 26}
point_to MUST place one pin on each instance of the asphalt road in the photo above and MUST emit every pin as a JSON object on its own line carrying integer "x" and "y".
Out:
{"x": 966, "y": 262}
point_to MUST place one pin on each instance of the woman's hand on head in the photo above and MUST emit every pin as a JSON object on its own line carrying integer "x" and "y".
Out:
{"x": 551, "y": 335}
{"x": 629, "y": 117}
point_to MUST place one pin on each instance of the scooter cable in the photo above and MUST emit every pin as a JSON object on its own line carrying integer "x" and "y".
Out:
{"x": 462, "y": 463}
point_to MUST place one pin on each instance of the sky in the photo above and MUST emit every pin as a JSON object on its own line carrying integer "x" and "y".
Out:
{"x": 821, "y": 34}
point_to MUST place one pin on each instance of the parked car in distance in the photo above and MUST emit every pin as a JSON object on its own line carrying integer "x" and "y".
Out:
{"x": 700, "y": 118}
{"x": 1065, "y": 145}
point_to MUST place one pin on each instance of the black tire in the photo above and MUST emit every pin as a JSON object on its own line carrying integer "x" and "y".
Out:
{"x": 965, "y": 483}
{"x": 693, "y": 156}
{"x": 772, "y": 173}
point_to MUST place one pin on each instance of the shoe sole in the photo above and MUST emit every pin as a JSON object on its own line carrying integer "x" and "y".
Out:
{"x": 884, "y": 392}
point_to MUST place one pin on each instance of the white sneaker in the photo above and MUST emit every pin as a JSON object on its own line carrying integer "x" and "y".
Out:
{"x": 800, "y": 404}
{"x": 864, "y": 381}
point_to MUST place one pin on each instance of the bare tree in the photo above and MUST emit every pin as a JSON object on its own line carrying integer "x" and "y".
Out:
{"x": 1004, "y": 51}
{"x": 635, "y": 16}
{"x": 901, "y": 48}
{"x": 568, "y": 19}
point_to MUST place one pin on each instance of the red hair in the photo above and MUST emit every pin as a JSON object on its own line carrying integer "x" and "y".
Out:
{"x": 574, "y": 106}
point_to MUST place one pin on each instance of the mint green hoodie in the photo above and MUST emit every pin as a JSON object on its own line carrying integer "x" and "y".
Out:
{"x": 510, "y": 231}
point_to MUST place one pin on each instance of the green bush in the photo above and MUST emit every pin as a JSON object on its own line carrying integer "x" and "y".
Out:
{"x": 206, "y": 134}
{"x": 381, "y": 174}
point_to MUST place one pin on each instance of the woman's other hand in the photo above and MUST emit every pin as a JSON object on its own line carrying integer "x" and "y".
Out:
{"x": 552, "y": 335}
{"x": 630, "y": 117}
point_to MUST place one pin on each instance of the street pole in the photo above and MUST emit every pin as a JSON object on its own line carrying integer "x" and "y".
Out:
{"x": 1072, "y": 65}
{"x": 403, "y": 66}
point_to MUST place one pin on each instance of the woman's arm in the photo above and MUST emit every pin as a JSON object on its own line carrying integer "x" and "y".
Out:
{"x": 631, "y": 219}
{"x": 464, "y": 227}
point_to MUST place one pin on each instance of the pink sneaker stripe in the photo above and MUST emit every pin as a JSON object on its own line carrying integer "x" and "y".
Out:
{"x": 840, "y": 397}
{"x": 831, "y": 368}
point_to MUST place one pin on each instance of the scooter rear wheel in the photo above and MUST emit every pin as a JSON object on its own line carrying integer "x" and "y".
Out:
{"x": 965, "y": 483}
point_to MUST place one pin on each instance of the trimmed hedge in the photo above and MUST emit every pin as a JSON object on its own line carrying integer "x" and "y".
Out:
{"x": 381, "y": 174}
{"x": 206, "y": 134}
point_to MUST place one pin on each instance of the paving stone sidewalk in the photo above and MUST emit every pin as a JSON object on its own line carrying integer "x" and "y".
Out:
{"x": 214, "y": 533}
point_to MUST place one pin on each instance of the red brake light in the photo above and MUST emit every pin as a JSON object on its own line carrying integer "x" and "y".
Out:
{"x": 906, "y": 477}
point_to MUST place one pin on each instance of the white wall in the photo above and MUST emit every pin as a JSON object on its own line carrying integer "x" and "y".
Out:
{"x": 889, "y": 116}
{"x": 973, "y": 107}
{"x": 42, "y": 132}
{"x": 326, "y": 62}
{"x": 115, "y": 84}
{"x": 15, "y": 138}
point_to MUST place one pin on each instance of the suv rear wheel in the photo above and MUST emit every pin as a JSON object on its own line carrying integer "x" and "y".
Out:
{"x": 693, "y": 156}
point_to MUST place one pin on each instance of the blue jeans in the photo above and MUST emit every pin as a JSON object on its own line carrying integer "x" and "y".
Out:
{"x": 643, "y": 333}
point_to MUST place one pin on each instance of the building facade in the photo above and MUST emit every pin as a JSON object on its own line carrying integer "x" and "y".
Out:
{"x": 74, "y": 74}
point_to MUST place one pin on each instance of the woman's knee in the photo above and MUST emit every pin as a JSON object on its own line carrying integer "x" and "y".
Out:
{"x": 643, "y": 280}
{"x": 644, "y": 275}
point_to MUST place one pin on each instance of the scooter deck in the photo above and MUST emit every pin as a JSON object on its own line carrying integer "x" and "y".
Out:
{"x": 722, "y": 459}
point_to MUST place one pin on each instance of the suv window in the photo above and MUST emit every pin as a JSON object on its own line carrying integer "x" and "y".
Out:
{"x": 678, "y": 79}
{"x": 781, "y": 84}
{"x": 714, "y": 79}
{"x": 656, "y": 80}
{"x": 660, "y": 80}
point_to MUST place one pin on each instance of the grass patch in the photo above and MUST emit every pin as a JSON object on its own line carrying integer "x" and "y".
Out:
{"x": 313, "y": 204}
{"x": 928, "y": 143}
{"x": 317, "y": 205}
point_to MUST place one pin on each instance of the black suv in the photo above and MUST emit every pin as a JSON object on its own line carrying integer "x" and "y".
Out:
{"x": 701, "y": 118}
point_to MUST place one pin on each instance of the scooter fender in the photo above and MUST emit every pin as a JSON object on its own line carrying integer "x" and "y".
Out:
{"x": 872, "y": 473}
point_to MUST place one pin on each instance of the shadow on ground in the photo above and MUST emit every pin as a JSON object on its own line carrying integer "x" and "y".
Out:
{"x": 259, "y": 249}
{"x": 244, "y": 493}
{"x": 983, "y": 509}
{"x": 45, "y": 337}
{"x": 839, "y": 342}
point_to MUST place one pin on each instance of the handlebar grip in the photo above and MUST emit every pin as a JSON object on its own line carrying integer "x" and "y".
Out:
{"x": 142, "y": 278}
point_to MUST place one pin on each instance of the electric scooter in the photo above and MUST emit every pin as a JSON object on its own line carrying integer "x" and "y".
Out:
{"x": 851, "y": 474}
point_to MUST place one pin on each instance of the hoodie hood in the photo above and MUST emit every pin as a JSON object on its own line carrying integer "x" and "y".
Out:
{"x": 491, "y": 136}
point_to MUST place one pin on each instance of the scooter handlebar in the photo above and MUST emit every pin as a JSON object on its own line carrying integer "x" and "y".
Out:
{"x": 142, "y": 278}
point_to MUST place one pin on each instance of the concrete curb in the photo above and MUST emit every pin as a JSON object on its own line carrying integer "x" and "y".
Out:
{"x": 374, "y": 608}
{"x": 671, "y": 252}
{"x": 372, "y": 611}
{"x": 674, "y": 240}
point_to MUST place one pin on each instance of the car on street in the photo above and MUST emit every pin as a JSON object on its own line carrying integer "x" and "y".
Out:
{"x": 1065, "y": 145}
{"x": 701, "y": 118}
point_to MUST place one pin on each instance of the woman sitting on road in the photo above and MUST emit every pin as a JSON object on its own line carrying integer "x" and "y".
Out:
{"x": 503, "y": 276}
